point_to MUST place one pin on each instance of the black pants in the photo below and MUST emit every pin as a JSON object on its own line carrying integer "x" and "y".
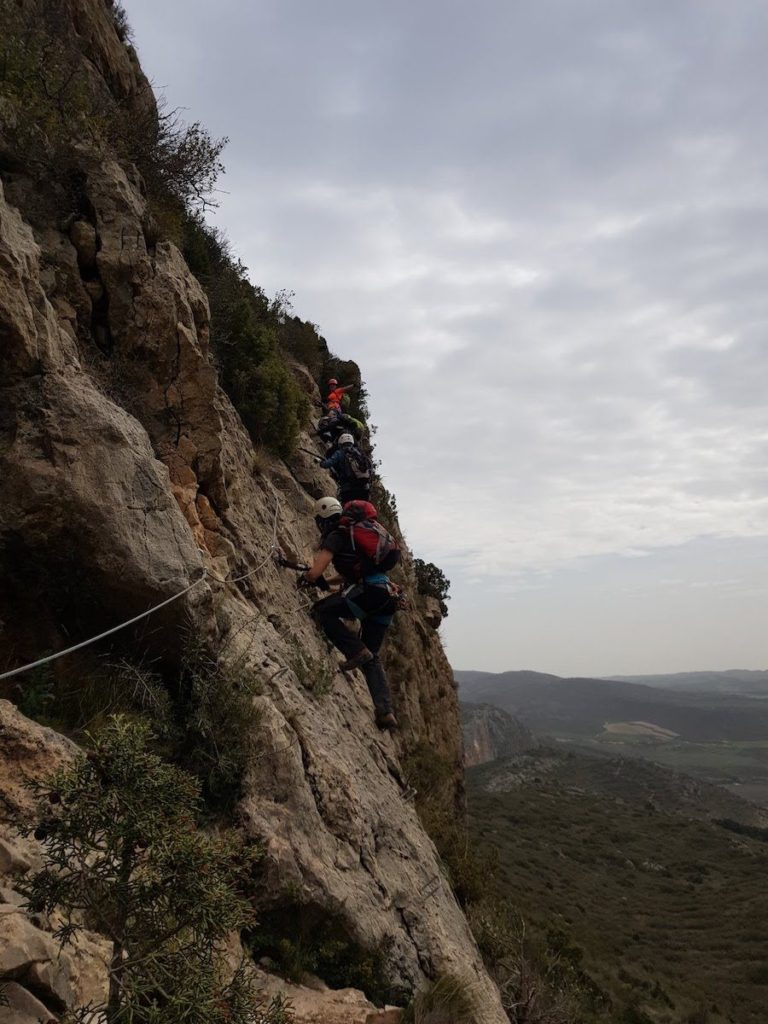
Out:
{"x": 375, "y": 608}
{"x": 354, "y": 492}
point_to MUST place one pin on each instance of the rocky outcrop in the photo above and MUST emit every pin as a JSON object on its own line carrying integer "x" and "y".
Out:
{"x": 128, "y": 478}
{"x": 34, "y": 972}
{"x": 317, "y": 1004}
{"x": 490, "y": 733}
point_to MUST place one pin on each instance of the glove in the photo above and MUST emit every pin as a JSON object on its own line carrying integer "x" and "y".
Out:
{"x": 304, "y": 582}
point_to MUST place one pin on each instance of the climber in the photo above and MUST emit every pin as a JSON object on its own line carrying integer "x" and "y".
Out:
{"x": 351, "y": 469}
{"x": 361, "y": 551}
{"x": 335, "y": 423}
{"x": 337, "y": 393}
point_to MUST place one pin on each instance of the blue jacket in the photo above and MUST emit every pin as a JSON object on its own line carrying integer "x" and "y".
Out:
{"x": 337, "y": 463}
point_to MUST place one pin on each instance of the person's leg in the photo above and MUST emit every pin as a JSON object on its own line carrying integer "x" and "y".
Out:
{"x": 328, "y": 613}
{"x": 378, "y": 607}
{"x": 372, "y": 635}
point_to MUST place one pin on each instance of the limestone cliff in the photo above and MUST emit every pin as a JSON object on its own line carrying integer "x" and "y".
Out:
{"x": 490, "y": 733}
{"x": 129, "y": 477}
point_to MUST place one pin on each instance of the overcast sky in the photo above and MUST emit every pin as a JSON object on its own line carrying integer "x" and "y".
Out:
{"x": 541, "y": 228}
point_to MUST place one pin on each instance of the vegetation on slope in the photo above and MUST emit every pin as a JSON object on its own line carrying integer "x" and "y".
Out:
{"x": 667, "y": 917}
{"x": 121, "y": 851}
{"x": 539, "y": 974}
{"x": 202, "y": 716}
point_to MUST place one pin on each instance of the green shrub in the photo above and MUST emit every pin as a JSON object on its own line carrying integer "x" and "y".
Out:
{"x": 202, "y": 713}
{"x": 36, "y": 694}
{"x": 46, "y": 96}
{"x": 386, "y": 505}
{"x": 217, "y": 724}
{"x": 74, "y": 701}
{"x": 121, "y": 851}
{"x": 315, "y": 674}
{"x": 468, "y": 862}
{"x": 302, "y": 340}
{"x": 245, "y": 332}
{"x": 432, "y": 582}
{"x": 541, "y": 981}
{"x": 58, "y": 117}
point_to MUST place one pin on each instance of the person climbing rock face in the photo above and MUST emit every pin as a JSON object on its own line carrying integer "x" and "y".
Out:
{"x": 334, "y": 424}
{"x": 352, "y": 470}
{"x": 362, "y": 552}
{"x": 336, "y": 394}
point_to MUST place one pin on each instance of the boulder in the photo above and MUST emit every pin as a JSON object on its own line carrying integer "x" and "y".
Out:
{"x": 31, "y": 957}
{"x": 23, "y": 1008}
{"x": 315, "y": 1003}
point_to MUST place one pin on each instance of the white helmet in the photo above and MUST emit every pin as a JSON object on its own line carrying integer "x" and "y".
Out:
{"x": 346, "y": 439}
{"x": 327, "y": 507}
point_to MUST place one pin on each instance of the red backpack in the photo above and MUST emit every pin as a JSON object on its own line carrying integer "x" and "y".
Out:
{"x": 378, "y": 549}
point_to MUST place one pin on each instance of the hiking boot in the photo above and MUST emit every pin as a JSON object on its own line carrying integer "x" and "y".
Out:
{"x": 357, "y": 660}
{"x": 388, "y": 721}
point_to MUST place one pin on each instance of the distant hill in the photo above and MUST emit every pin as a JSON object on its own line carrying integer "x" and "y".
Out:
{"x": 573, "y": 707}
{"x": 490, "y": 733}
{"x": 663, "y": 909}
{"x": 617, "y": 780}
{"x": 734, "y": 681}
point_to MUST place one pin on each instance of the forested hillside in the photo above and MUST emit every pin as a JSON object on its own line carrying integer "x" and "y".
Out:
{"x": 641, "y": 891}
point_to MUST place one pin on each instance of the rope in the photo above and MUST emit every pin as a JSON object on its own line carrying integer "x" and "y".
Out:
{"x": 101, "y": 636}
{"x": 137, "y": 618}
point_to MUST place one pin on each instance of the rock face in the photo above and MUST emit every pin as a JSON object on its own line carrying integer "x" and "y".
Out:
{"x": 490, "y": 733}
{"x": 128, "y": 478}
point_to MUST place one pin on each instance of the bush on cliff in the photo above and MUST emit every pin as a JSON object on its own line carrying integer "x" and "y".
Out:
{"x": 432, "y": 582}
{"x": 245, "y": 336}
{"x": 57, "y": 115}
{"x": 122, "y": 851}
{"x": 201, "y": 713}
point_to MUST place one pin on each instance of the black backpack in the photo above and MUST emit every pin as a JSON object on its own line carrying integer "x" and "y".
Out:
{"x": 357, "y": 466}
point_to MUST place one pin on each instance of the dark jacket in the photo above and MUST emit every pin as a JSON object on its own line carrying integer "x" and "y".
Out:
{"x": 339, "y": 465}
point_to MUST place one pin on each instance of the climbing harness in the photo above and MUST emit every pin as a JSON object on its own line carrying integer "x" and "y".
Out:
{"x": 206, "y": 573}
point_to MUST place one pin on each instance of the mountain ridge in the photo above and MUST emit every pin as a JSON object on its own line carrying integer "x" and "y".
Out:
{"x": 547, "y": 703}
